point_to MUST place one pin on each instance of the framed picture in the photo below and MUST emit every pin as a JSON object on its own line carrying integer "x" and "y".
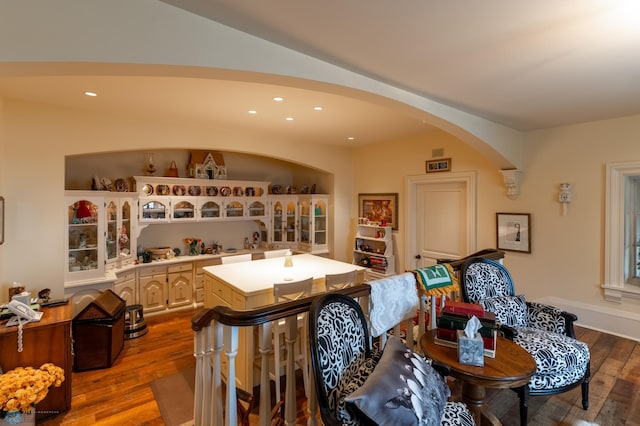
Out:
{"x": 514, "y": 232}
{"x": 1, "y": 220}
{"x": 379, "y": 208}
{"x": 440, "y": 165}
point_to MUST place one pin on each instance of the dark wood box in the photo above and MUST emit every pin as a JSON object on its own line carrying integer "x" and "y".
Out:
{"x": 98, "y": 332}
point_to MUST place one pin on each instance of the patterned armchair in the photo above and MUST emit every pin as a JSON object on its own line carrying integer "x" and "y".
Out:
{"x": 544, "y": 331}
{"x": 345, "y": 366}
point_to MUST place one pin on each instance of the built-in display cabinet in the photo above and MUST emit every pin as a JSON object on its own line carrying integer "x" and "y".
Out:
{"x": 374, "y": 250}
{"x": 102, "y": 230}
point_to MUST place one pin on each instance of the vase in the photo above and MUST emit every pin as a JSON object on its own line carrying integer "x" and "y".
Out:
{"x": 193, "y": 248}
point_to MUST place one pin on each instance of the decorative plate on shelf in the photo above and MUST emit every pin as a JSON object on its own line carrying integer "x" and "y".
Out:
{"x": 211, "y": 191}
{"x": 162, "y": 190}
{"x": 178, "y": 190}
{"x": 147, "y": 190}
{"x": 225, "y": 191}
{"x": 195, "y": 190}
{"x": 276, "y": 189}
{"x": 121, "y": 185}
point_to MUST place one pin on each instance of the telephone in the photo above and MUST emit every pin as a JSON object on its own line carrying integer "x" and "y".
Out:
{"x": 23, "y": 311}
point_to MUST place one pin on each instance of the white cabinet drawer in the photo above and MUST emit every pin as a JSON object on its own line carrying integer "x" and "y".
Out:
{"x": 152, "y": 270}
{"x": 182, "y": 267}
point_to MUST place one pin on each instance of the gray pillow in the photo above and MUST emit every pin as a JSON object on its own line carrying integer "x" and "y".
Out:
{"x": 509, "y": 310}
{"x": 403, "y": 389}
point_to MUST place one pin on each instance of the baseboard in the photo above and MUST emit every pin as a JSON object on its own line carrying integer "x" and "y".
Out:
{"x": 607, "y": 320}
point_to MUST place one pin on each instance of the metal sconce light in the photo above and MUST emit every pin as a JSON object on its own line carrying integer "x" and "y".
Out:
{"x": 512, "y": 182}
{"x": 565, "y": 196}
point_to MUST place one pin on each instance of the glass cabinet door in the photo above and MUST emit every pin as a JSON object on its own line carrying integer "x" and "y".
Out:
{"x": 277, "y": 222}
{"x": 183, "y": 210}
{"x": 154, "y": 211}
{"x": 290, "y": 224}
{"x": 124, "y": 239}
{"x": 257, "y": 209}
{"x": 209, "y": 210}
{"x": 320, "y": 223}
{"x": 234, "y": 209}
{"x": 84, "y": 239}
{"x": 112, "y": 230}
{"x": 305, "y": 223}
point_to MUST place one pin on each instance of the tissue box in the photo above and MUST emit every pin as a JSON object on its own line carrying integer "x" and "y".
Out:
{"x": 470, "y": 351}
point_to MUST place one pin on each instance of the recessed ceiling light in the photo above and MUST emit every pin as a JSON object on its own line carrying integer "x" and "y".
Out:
{"x": 252, "y": 111}
{"x": 92, "y": 94}
{"x": 278, "y": 99}
{"x": 318, "y": 108}
{"x": 351, "y": 138}
{"x": 289, "y": 118}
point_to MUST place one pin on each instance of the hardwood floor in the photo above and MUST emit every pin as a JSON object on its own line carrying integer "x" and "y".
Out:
{"x": 121, "y": 395}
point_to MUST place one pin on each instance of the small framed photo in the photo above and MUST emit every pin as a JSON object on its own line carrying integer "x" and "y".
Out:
{"x": 514, "y": 232}
{"x": 1, "y": 220}
{"x": 381, "y": 209}
{"x": 440, "y": 165}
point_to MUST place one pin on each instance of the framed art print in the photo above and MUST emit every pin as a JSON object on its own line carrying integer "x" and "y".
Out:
{"x": 1, "y": 220}
{"x": 513, "y": 232}
{"x": 440, "y": 165}
{"x": 379, "y": 208}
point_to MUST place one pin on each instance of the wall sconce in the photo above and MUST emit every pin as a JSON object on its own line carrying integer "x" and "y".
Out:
{"x": 565, "y": 196}
{"x": 512, "y": 182}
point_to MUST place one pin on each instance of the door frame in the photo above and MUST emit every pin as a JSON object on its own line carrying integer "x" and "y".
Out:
{"x": 469, "y": 179}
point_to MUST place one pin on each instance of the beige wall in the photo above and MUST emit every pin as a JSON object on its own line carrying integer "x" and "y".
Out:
{"x": 566, "y": 263}
{"x": 37, "y": 139}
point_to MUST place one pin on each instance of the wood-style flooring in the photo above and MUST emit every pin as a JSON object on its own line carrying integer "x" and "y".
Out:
{"x": 121, "y": 395}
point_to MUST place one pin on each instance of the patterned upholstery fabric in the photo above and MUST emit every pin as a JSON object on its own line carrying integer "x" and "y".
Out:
{"x": 509, "y": 310}
{"x": 341, "y": 351}
{"x": 560, "y": 359}
{"x": 541, "y": 329}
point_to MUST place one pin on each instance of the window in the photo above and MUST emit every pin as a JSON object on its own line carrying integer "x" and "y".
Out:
{"x": 622, "y": 231}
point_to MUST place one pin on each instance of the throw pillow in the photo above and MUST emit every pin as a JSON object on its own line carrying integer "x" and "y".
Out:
{"x": 509, "y": 310}
{"x": 403, "y": 389}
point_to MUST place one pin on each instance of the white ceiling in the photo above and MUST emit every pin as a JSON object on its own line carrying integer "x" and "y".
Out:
{"x": 524, "y": 64}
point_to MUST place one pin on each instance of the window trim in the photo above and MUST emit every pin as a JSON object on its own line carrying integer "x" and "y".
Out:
{"x": 614, "y": 286}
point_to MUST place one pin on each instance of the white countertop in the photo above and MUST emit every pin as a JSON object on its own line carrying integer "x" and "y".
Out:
{"x": 260, "y": 275}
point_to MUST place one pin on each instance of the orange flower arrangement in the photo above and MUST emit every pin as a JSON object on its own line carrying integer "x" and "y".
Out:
{"x": 23, "y": 387}
{"x": 193, "y": 245}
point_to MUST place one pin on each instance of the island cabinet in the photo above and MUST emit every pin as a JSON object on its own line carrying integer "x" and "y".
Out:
{"x": 48, "y": 340}
{"x": 199, "y": 277}
{"x": 165, "y": 287}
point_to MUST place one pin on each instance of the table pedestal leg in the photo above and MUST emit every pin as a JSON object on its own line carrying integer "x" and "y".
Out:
{"x": 473, "y": 396}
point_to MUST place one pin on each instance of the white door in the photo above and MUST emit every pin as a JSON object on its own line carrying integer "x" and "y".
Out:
{"x": 442, "y": 215}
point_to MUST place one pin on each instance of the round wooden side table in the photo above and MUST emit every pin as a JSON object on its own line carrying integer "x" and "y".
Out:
{"x": 512, "y": 367}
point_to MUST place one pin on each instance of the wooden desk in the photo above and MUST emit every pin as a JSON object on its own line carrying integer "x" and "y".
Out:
{"x": 512, "y": 367}
{"x": 48, "y": 340}
{"x": 248, "y": 285}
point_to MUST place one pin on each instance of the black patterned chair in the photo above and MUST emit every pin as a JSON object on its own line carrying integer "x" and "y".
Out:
{"x": 544, "y": 331}
{"x": 360, "y": 385}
